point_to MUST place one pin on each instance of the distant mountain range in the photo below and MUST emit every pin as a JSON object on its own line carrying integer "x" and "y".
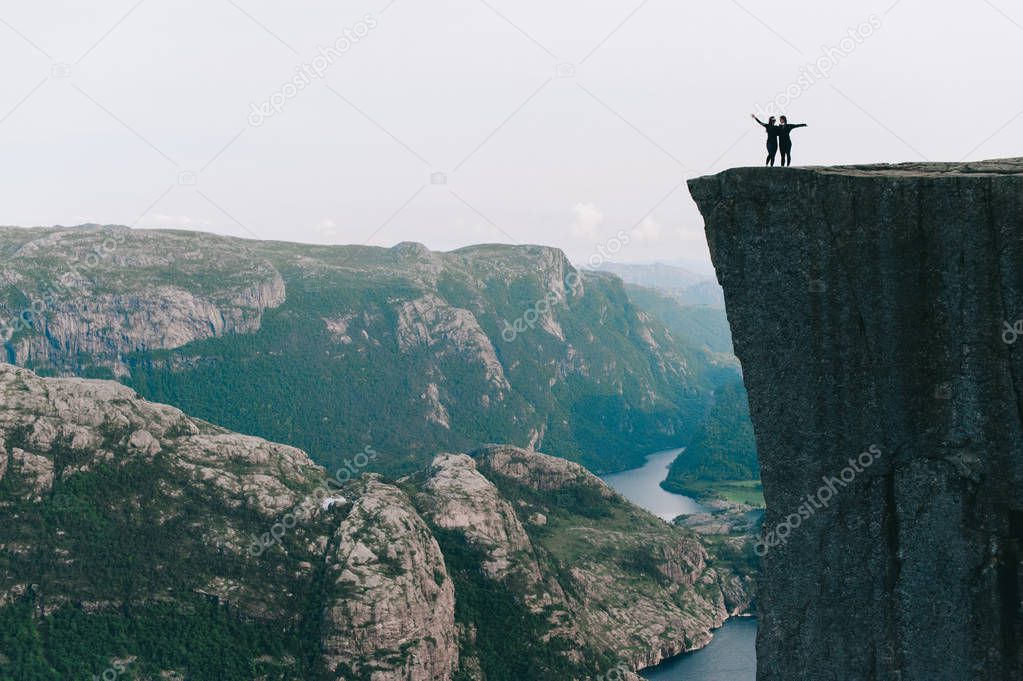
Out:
{"x": 147, "y": 541}
{"x": 334, "y": 348}
{"x": 701, "y": 325}
{"x": 722, "y": 450}
{"x": 689, "y": 287}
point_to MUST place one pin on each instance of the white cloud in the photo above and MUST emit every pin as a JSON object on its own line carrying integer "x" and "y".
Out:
{"x": 648, "y": 230}
{"x": 587, "y": 220}
{"x": 327, "y": 228}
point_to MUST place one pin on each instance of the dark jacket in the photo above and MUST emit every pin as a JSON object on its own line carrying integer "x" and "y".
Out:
{"x": 784, "y": 130}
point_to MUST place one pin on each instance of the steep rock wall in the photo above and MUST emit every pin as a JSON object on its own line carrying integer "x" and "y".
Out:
{"x": 869, "y": 308}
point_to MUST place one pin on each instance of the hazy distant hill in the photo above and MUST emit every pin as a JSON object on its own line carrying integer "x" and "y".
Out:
{"x": 723, "y": 448}
{"x": 700, "y": 325}
{"x": 689, "y": 287}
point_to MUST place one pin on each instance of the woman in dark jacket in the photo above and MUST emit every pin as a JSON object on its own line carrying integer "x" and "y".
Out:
{"x": 785, "y": 141}
{"x": 772, "y": 137}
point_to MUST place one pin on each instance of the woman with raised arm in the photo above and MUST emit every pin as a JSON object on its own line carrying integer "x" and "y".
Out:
{"x": 772, "y": 137}
{"x": 786, "y": 142}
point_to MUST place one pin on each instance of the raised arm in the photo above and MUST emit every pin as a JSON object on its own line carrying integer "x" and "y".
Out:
{"x": 758, "y": 120}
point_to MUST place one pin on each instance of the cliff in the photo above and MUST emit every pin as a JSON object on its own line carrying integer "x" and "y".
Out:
{"x": 137, "y": 538}
{"x": 874, "y": 310}
{"x": 94, "y": 296}
{"x": 490, "y": 343}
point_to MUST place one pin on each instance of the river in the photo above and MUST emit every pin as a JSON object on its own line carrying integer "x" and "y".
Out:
{"x": 642, "y": 486}
{"x": 731, "y": 655}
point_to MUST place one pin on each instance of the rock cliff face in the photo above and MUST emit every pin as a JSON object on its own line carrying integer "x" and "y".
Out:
{"x": 588, "y": 541}
{"x": 875, "y": 310}
{"x": 490, "y": 343}
{"x": 122, "y": 516}
{"x": 397, "y": 603}
{"x": 117, "y": 504}
{"x": 94, "y": 296}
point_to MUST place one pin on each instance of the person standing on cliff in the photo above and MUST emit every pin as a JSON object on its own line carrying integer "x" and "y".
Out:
{"x": 785, "y": 141}
{"x": 772, "y": 137}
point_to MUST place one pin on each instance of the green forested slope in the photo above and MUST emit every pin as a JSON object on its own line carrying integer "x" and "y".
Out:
{"x": 333, "y": 348}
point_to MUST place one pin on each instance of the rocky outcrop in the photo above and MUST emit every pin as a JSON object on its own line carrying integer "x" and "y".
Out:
{"x": 255, "y": 532}
{"x": 431, "y": 323}
{"x": 396, "y": 618}
{"x": 457, "y": 496}
{"x": 91, "y": 418}
{"x": 875, "y": 311}
{"x": 540, "y": 471}
{"x": 116, "y": 505}
{"x": 591, "y": 540}
{"x": 97, "y": 295}
{"x": 108, "y": 326}
{"x": 489, "y": 343}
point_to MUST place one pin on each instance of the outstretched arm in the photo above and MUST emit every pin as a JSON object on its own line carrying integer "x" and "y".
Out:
{"x": 799, "y": 125}
{"x": 758, "y": 120}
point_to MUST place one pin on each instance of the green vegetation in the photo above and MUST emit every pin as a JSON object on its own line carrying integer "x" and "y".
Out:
{"x": 747, "y": 492}
{"x": 721, "y": 459}
{"x": 296, "y": 381}
{"x": 699, "y": 325}
{"x": 113, "y": 535}
{"x": 291, "y": 382}
{"x": 199, "y": 639}
{"x": 510, "y": 640}
{"x": 583, "y": 526}
{"x": 733, "y": 553}
{"x": 401, "y": 349}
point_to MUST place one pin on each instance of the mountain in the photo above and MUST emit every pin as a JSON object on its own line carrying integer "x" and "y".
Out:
{"x": 139, "y": 542}
{"x": 701, "y": 325}
{"x": 875, "y": 310}
{"x": 723, "y": 448}
{"x": 689, "y": 287}
{"x": 335, "y": 348}
{"x": 720, "y": 458}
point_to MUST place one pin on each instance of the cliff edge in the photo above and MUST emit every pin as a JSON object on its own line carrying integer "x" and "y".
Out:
{"x": 874, "y": 310}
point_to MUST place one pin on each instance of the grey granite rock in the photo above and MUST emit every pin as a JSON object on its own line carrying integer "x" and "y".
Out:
{"x": 869, "y": 306}
{"x": 255, "y": 526}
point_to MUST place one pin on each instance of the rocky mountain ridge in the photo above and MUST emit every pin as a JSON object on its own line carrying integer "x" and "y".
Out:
{"x": 490, "y": 343}
{"x": 68, "y": 298}
{"x": 128, "y": 517}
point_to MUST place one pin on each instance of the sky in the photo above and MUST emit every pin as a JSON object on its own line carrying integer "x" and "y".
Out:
{"x": 452, "y": 122}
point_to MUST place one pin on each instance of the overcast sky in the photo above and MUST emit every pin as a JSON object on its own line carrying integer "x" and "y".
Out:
{"x": 452, "y": 122}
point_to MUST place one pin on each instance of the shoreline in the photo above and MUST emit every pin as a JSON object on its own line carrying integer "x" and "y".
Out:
{"x": 744, "y": 618}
